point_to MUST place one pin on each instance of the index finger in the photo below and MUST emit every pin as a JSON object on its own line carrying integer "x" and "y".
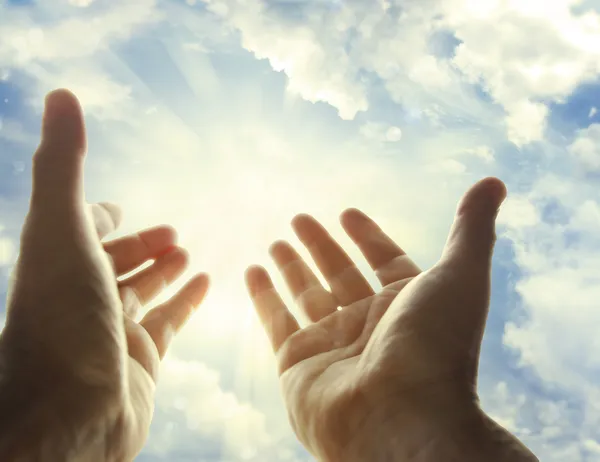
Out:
{"x": 131, "y": 251}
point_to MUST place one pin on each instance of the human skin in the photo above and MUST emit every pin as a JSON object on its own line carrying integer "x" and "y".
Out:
{"x": 77, "y": 372}
{"x": 392, "y": 375}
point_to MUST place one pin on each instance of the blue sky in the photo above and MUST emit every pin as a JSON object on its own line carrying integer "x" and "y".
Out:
{"x": 225, "y": 118}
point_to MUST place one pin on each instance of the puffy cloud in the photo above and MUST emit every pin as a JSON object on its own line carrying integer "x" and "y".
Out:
{"x": 317, "y": 66}
{"x": 586, "y": 148}
{"x": 324, "y": 54}
{"x": 194, "y": 390}
{"x": 550, "y": 428}
{"x": 100, "y": 94}
{"x": 26, "y": 42}
{"x": 484, "y": 153}
{"x": 381, "y": 132}
{"x": 13, "y": 130}
{"x": 81, "y": 3}
{"x": 67, "y": 51}
{"x": 518, "y": 211}
{"x": 8, "y": 249}
{"x": 560, "y": 264}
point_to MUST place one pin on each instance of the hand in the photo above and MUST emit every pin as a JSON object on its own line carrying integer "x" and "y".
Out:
{"x": 77, "y": 373}
{"x": 392, "y": 374}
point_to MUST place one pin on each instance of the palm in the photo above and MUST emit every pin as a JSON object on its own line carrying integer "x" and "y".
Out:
{"x": 147, "y": 341}
{"x": 416, "y": 339}
{"x": 322, "y": 366}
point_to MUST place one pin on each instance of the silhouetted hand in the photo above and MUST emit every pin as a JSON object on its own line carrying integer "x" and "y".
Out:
{"x": 391, "y": 376}
{"x": 77, "y": 373}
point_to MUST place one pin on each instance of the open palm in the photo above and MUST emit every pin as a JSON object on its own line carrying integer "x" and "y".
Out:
{"x": 77, "y": 371}
{"x": 368, "y": 359}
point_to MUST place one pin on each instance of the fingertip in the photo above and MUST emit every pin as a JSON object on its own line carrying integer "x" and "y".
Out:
{"x": 485, "y": 195}
{"x": 114, "y": 211}
{"x": 61, "y": 103}
{"x": 257, "y": 279}
{"x": 158, "y": 240}
{"x": 283, "y": 252}
{"x": 62, "y": 122}
{"x": 354, "y": 216}
{"x": 276, "y": 245}
{"x": 301, "y": 219}
{"x": 60, "y": 93}
{"x": 307, "y": 228}
{"x": 350, "y": 211}
{"x": 168, "y": 232}
{"x": 496, "y": 188}
{"x": 200, "y": 284}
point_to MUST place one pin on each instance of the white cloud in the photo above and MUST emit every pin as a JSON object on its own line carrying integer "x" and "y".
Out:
{"x": 67, "y": 52}
{"x": 592, "y": 445}
{"x": 518, "y": 212}
{"x": 559, "y": 288}
{"x": 498, "y": 51}
{"x": 550, "y": 428}
{"x": 484, "y": 153}
{"x": 505, "y": 408}
{"x": 593, "y": 112}
{"x": 586, "y": 148}
{"x": 7, "y": 251}
{"x": 381, "y": 132}
{"x": 26, "y": 42}
{"x": 448, "y": 166}
{"x": 322, "y": 58}
{"x": 13, "y": 130}
{"x": 190, "y": 391}
{"x": 99, "y": 93}
{"x": 194, "y": 390}
{"x": 317, "y": 66}
{"x": 526, "y": 122}
{"x": 81, "y": 3}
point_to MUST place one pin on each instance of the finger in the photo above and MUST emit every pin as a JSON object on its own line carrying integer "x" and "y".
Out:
{"x": 141, "y": 347}
{"x": 314, "y": 300}
{"x": 58, "y": 162}
{"x": 467, "y": 256}
{"x": 472, "y": 237}
{"x": 346, "y": 281}
{"x": 387, "y": 259}
{"x": 106, "y": 216}
{"x": 130, "y": 301}
{"x": 133, "y": 250}
{"x": 149, "y": 282}
{"x": 167, "y": 319}
{"x": 277, "y": 321}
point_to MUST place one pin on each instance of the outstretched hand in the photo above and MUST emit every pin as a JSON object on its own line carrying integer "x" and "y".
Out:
{"x": 77, "y": 372}
{"x": 387, "y": 375}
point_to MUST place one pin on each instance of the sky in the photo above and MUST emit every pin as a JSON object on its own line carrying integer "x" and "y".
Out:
{"x": 225, "y": 118}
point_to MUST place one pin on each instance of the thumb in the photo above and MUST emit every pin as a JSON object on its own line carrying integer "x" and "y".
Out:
{"x": 472, "y": 237}
{"x": 58, "y": 162}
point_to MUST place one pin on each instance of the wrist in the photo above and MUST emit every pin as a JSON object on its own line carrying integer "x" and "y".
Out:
{"x": 463, "y": 436}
